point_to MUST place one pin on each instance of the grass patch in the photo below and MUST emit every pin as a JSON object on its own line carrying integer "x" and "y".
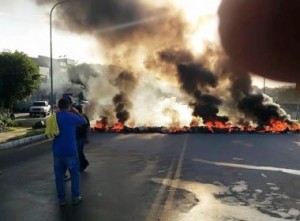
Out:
{"x": 28, "y": 122}
{"x": 16, "y": 133}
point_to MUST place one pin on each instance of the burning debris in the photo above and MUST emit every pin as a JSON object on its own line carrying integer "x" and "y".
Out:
{"x": 275, "y": 127}
{"x": 262, "y": 109}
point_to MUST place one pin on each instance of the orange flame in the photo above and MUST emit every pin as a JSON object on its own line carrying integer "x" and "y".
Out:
{"x": 101, "y": 126}
{"x": 277, "y": 126}
{"x": 274, "y": 126}
{"x": 117, "y": 127}
{"x": 294, "y": 127}
{"x": 217, "y": 124}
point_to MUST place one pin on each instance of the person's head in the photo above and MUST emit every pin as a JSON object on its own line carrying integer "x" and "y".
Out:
{"x": 63, "y": 104}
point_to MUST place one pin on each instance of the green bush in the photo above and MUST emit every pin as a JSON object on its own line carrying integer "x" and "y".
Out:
{"x": 5, "y": 119}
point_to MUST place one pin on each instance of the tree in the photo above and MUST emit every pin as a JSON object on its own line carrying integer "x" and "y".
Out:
{"x": 19, "y": 78}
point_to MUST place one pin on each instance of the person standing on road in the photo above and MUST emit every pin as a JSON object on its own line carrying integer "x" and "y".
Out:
{"x": 65, "y": 151}
{"x": 82, "y": 132}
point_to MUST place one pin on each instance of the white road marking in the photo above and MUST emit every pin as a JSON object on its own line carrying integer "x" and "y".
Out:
{"x": 251, "y": 167}
{"x": 174, "y": 184}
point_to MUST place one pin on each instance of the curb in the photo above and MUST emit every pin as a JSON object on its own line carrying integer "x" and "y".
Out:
{"x": 22, "y": 141}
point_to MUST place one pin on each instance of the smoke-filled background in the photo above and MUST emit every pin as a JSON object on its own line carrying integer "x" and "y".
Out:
{"x": 164, "y": 65}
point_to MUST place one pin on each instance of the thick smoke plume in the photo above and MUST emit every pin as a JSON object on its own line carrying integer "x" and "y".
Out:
{"x": 121, "y": 102}
{"x": 81, "y": 74}
{"x": 195, "y": 78}
{"x": 150, "y": 63}
{"x": 261, "y": 108}
{"x": 128, "y": 32}
{"x": 126, "y": 83}
{"x": 118, "y": 24}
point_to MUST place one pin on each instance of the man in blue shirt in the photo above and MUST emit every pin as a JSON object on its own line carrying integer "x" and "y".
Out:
{"x": 65, "y": 151}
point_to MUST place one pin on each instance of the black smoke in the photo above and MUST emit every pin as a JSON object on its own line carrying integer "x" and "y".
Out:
{"x": 81, "y": 74}
{"x": 121, "y": 103}
{"x": 241, "y": 83}
{"x": 121, "y": 26}
{"x": 117, "y": 22}
{"x": 195, "y": 79}
{"x": 194, "y": 76}
{"x": 207, "y": 107}
{"x": 254, "y": 107}
{"x": 126, "y": 82}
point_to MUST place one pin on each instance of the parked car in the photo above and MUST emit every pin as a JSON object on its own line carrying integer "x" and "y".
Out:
{"x": 39, "y": 108}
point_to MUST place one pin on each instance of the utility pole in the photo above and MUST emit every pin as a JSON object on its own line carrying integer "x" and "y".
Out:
{"x": 51, "y": 59}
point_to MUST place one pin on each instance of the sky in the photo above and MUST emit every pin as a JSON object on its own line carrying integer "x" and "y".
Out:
{"x": 25, "y": 27}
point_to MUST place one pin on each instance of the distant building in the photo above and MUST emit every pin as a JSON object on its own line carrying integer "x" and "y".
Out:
{"x": 60, "y": 66}
{"x": 60, "y": 70}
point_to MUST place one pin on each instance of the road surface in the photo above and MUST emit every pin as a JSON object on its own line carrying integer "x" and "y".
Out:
{"x": 185, "y": 177}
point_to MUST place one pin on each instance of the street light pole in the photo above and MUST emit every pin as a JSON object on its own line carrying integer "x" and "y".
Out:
{"x": 51, "y": 60}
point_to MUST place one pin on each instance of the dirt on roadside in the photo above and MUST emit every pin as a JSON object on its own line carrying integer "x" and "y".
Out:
{"x": 9, "y": 133}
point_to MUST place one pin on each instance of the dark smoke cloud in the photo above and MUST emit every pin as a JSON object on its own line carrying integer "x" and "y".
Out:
{"x": 194, "y": 75}
{"x": 195, "y": 78}
{"x": 118, "y": 22}
{"x": 92, "y": 15}
{"x": 126, "y": 83}
{"x": 258, "y": 108}
{"x": 206, "y": 106}
{"x": 81, "y": 74}
{"x": 121, "y": 102}
{"x": 253, "y": 106}
{"x": 241, "y": 84}
{"x": 262, "y": 36}
{"x": 122, "y": 27}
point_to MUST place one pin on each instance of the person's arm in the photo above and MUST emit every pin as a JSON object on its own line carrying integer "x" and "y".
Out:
{"x": 75, "y": 111}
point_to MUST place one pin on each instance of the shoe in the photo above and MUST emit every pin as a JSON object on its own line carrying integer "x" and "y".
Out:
{"x": 67, "y": 177}
{"x": 77, "y": 200}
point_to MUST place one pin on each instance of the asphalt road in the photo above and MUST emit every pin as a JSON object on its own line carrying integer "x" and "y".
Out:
{"x": 136, "y": 177}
